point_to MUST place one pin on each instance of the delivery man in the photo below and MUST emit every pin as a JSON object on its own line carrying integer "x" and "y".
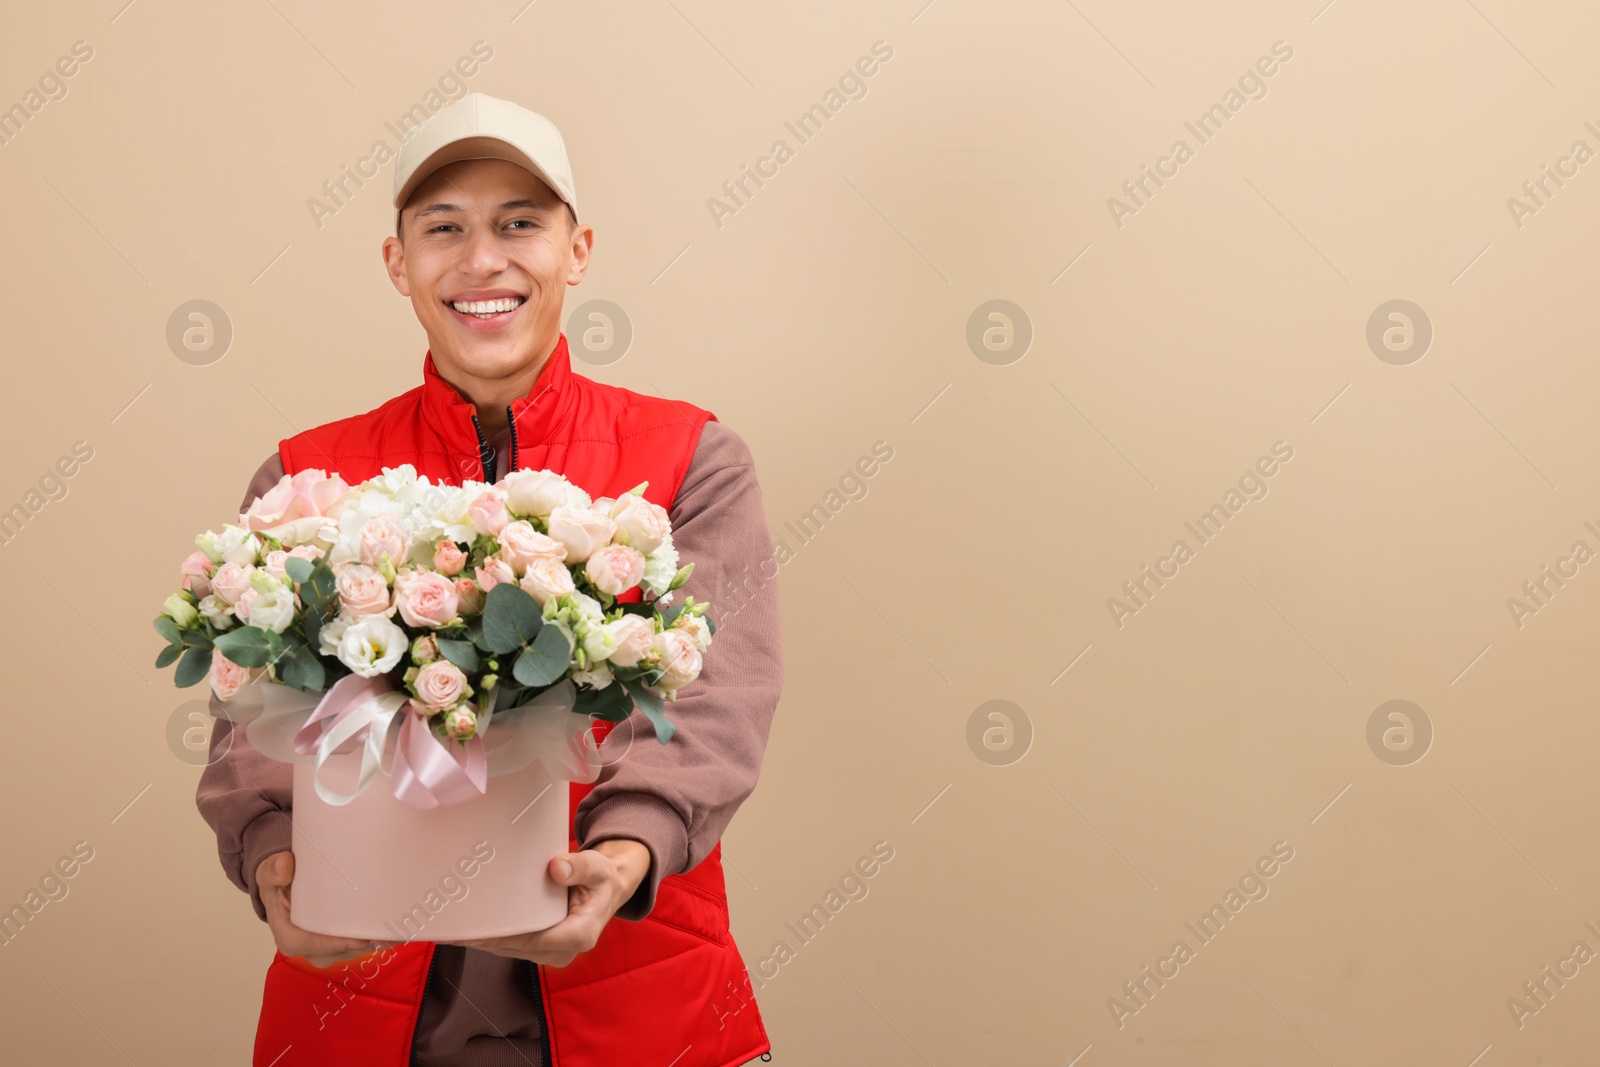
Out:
{"x": 643, "y": 970}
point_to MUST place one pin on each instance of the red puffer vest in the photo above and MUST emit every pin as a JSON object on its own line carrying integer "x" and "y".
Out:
{"x": 669, "y": 989}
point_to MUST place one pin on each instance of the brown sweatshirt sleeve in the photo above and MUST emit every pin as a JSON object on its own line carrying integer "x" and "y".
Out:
{"x": 244, "y": 796}
{"x": 678, "y": 798}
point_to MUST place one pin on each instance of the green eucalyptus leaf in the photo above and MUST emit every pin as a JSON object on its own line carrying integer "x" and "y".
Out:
{"x": 250, "y": 646}
{"x": 654, "y": 709}
{"x": 194, "y": 667}
{"x": 297, "y": 568}
{"x": 463, "y": 654}
{"x": 511, "y": 618}
{"x": 544, "y": 661}
{"x": 168, "y": 654}
{"x": 168, "y": 629}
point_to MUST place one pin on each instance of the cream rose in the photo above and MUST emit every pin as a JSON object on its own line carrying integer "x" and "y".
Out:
{"x": 536, "y": 492}
{"x": 646, "y": 524}
{"x": 695, "y": 627}
{"x": 230, "y": 581}
{"x": 679, "y": 659}
{"x": 547, "y": 577}
{"x": 521, "y": 544}
{"x": 634, "y": 634}
{"x": 615, "y": 569}
{"x": 363, "y": 591}
{"x": 382, "y": 536}
{"x": 581, "y": 530}
{"x": 273, "y": 610}
{"x": 426, "y": 598}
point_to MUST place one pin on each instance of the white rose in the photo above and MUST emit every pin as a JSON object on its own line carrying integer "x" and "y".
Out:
{"x": 598, "y": 675}
{"x": 581, "y": 530}
{"x": 215, "y": 609}
{"x": 646, "y": 524}
{"x": 273, "y": 610}
{"x": 660, "y": 567}
{"x": 535, "y": 492}
{"x": 332, "y": 631}
{"x": 695, "y": 627}
{"x": 372, "y": 646}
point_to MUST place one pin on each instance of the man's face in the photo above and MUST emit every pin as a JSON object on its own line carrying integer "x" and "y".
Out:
{"x": 490, "y": 234}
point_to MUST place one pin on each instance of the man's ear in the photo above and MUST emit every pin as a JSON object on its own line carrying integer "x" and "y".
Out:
{"x": 394, "y": 261}
{"x": 582, "y": 247}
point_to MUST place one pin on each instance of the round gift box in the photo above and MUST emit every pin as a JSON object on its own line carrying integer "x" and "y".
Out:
{"x": 380, "y": 868}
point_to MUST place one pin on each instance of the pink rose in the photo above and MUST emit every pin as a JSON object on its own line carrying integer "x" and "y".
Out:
{"x": 615, "y": 569}
{"x": 197, "y": 571}
{"x": 440, "y": 685}
{"x": 448, "y": 559}
{"x": 646, "y": 524}
{"x": 634, "y": 635}
{"x": 494, "y": 571}
{"x": 426, "y": 598}
{"x": 471, "y": 594}
{"x": 227, "y": 677}
{"x": 362, "y": 591}
{"x": 296, "y": 509}
{"x": 582, "y": 530}
{"x": 231, "y": 580}
{"x": 384, "y": 536}
{"x": 308, "y": 552}
{"x": 521, "y": 544}
{"x": 461, "y": 724}
{"x": 241, "y": 607}
{"x": 547, "y": 577}
{"x": 676, "y": 655}
{"x": 273, "y": 564}
{"x": 488, "y": 513}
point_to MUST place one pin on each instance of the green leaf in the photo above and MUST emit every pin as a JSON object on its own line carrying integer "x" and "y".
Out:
{"x": 655, "y": 710}
{"x": 463, "y": 654}
{"x": 638, "y": 607}
{"x": 301, "y": 668}
{"x": 168, "y": 654}
{"x": 711, "y": 624}
{"x": 611, "y": 703}
{"x": 168, "y": 629}
{"x": 196, "y": 664}
{"x": 195, "y": 638}
{"x": 319, "y": 588}
{"x": 297, "y": 568}
{"x": 250, "y": 646}
{"x": 544, "y": 661}
{"x": 511, "y": 618}
{"x": 311, "y": 625}
{"x": 670, "y": 615}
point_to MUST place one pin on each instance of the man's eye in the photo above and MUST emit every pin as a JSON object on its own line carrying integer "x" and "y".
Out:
{"x": 441, "y": 226}
{"x": 525, "y": 222}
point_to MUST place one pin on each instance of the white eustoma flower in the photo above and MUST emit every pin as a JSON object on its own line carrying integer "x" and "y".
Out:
{"x": 372, "y": 645}
{"x": 273, "y": 610}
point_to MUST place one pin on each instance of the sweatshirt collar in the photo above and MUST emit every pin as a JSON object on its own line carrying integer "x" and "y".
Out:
{"x": 535, "y": 419}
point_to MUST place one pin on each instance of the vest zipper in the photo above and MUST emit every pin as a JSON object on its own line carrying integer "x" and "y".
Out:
{"x": 544, "y": 1020}
{"x": 512, "y": 422}
{"x": 485, "y": 453}
{"x": 433, "y": 962}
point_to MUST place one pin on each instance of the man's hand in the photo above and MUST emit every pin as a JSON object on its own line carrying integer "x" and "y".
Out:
{"x": 599, "y": 880}
{"x": 274, "y": 876}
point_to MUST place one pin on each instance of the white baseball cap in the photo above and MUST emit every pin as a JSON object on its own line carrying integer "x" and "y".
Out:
{"x": 484, "y": 127}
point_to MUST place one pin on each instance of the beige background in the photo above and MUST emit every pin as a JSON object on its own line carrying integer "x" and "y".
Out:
{"x": 828, "y": 313}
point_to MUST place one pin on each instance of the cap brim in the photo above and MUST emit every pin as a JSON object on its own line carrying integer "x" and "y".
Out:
{"x": 473, "y": 148}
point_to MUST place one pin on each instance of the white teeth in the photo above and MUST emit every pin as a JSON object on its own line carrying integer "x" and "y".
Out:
{"x": 487, "y": 307}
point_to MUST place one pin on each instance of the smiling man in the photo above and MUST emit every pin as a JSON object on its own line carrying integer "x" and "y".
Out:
{"x": 643, "y": 970}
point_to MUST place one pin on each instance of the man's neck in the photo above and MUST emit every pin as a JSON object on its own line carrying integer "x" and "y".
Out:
{"x": 492, "y": 396}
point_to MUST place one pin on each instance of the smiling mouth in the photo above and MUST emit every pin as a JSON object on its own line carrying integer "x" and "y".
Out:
{"x": 487, "y": 310}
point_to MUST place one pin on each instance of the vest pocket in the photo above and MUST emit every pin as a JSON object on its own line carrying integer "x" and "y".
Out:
{"x": 682, "y": 906}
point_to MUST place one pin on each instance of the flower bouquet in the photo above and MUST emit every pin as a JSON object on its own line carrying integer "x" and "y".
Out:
{"x": 441, "y": 635}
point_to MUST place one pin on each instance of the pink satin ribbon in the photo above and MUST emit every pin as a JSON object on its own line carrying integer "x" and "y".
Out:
{"x": 426, "y": 774}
